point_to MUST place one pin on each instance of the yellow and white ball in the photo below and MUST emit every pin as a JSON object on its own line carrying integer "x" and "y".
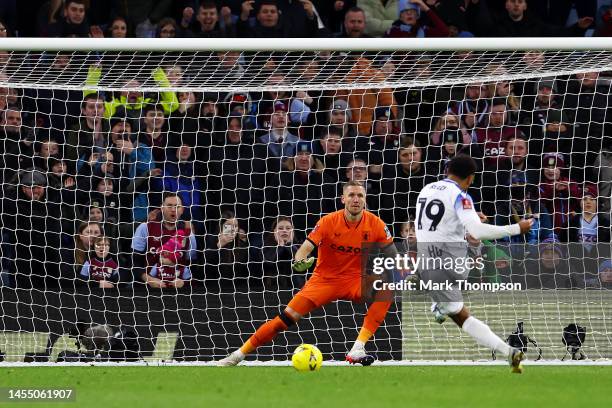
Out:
{"x": 307, "y": 357}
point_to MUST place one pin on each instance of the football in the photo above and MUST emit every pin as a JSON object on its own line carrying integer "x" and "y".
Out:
{"x": 307, "y": 357}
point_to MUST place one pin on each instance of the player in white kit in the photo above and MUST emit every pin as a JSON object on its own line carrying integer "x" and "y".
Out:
{"x": 445, "y": 215}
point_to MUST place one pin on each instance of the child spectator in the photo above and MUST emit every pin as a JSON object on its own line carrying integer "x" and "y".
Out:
{"x": 100, "y": 269}
{"x": 169, "y": 272}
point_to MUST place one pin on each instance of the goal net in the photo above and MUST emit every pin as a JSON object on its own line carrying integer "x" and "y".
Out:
{"x": 154, "y": 192}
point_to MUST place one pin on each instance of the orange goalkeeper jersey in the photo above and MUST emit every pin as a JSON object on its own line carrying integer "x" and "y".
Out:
{"x": 339, "y": 243}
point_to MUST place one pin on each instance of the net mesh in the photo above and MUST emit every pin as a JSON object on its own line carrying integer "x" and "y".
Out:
{"x": 257, "y": 146}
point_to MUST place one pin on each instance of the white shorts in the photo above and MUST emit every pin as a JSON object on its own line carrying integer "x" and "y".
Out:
{"x": 447, "y": 308}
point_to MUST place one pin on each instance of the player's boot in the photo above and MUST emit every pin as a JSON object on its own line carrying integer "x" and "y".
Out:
{"x": 359, "y": 356}
{"x": 515, "y": 358}
{"x": 231, "y": 360}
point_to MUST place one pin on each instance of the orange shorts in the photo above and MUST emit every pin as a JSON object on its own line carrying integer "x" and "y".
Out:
{"x": 320, "y": 291}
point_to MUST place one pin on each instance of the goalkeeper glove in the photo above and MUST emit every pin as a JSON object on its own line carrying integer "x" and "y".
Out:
{"x": 303, "y": 264}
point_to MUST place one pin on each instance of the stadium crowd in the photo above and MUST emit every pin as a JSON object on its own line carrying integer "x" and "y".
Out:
{"x": 219, "y": 189}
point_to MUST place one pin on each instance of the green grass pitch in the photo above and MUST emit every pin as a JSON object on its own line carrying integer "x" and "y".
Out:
{"x": 271, "y": 387}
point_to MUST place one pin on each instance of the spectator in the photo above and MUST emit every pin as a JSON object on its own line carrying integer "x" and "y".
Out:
{"x": 268, "y": 22}
{"x": 229, "y": 251}
{"x": 59, "y": 179}
{"x": 179, "y": 177}
{"x": 409, "y": 23}
{"x": 279, "y": 142}
{"x": 97, "y": 167}
{"x": 587, "y": 102}
{"x": 154, "y": 133}
{"x": 73, "y": 23}
{"x": 17, "y": 146}
{"x": 170, "y": 271}
{"x": 100, "y": 269}
{"x": 589, "y": 226}
{"x": 402, "y": 183}
{"x": 44, "y": 150}
{"x": 380, "y": 15}
{"x": 474, "y": 107}
{"x": 279, "y": 249}
{"x": 33, "y": 231}
{"x": 229, "y": 68}
{"x": 150, "y": 237}
{"x": 591, "y": 230}
{"x": 134, "y": 101}
{"x": 90, "y": 135}
{"x": 357, "y": 170}
{"x": 299, "y": 190}
{"x": 95, "y": 211}
{"x": 4, "y": 30}
{"x": 236, "y": 176}
{"x": 516, "y": 22}
{"x": 118, "y": 28}
{"x": 517, "y": 194}
{"x": 449, "y": 121}
{"x": 207, "y": 24}
{"x": 363, "y": 102}
{"x": 605, "y": 274}
{"x": 134, "y": 166}
{"x": 143, "y": 15}
{"x": 330, "y": 151}
{"x": 558, "y": 193}
{"x": 297, "y": 106}
{"x": 167, "y": 28}
{"x": 332, "y": 13}
{"x": 380, "y": 147}
{"x": 438, "y": 156}
{"x": 80, "y": 249}
{"x": 407, "y": 244}
{"x": 183, "y": 123}
{"x": 355, "y": 23}
{"x": 505, "y": 89}
{"x": 546, "y": 267}
{"x": 489, "y": 149}
{"x": 340, "y": 116}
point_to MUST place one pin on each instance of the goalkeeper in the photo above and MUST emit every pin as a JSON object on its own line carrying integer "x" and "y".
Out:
{"x": 339, "y": 237}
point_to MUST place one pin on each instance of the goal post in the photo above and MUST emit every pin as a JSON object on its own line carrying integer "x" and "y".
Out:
{"x": 157, "y": 189}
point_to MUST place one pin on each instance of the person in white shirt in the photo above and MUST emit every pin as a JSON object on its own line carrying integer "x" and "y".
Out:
{"x": 446, "y": 220}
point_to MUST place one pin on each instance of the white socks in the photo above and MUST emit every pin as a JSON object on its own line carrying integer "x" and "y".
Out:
{"x": 358, "y": 345}
{"x": 484, "y": 336}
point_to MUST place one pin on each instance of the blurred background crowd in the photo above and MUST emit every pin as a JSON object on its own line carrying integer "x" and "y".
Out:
{"x": 220, "y": 188}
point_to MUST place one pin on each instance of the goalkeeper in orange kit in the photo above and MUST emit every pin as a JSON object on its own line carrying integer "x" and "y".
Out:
{"x": 339, "y": 237}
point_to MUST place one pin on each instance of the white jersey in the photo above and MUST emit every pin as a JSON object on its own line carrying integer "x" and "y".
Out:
{"x": 439, "y": 208}
{"x": 444, "y": 213}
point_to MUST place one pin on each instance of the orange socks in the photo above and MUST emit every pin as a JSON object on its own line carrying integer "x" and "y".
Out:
{"x": 374, "y": 318}
{"x": 264, "y": 334}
